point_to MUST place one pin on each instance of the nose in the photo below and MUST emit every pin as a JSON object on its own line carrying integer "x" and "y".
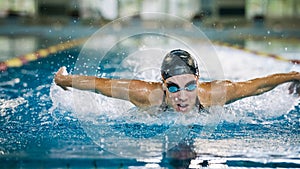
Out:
{"x": 182, "y": 96}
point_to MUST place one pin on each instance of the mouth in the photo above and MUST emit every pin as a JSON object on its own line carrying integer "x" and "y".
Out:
{"x": 182, "y": 107}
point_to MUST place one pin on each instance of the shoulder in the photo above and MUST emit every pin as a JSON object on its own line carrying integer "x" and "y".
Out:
{"x": 146, "y": 94}
{"x": 215, "y": 92}
{"x": 204, "y": 90}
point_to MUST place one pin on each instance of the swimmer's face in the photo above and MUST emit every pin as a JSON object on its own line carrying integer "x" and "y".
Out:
{"x": 181, "y": 92}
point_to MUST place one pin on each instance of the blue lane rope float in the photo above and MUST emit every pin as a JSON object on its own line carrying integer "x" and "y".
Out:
{"x": 274, "y": 56}
{"x": 42, "y": 53}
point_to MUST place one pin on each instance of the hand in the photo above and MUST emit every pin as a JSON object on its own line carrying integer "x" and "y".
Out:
{"x": 296, "y": 75}
{"x": 295, "y": 87}
{"x": 61, "y": 78}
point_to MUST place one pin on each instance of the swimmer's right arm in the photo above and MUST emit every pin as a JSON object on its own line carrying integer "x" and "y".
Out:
{"x": 64, "y": 80}
{"x": 140, "y": 93}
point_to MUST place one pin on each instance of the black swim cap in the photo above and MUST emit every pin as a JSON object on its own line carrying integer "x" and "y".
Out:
{"x": 178, "y": 62}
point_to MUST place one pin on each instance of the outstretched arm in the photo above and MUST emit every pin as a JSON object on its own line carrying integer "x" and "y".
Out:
{"x": 224, "y": 92}
{"x": 238, "y": 90}
{"x": 138, "y": 92}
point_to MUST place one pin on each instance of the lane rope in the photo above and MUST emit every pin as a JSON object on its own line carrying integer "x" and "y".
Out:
{"x": 41, "y": 53}
{"x": 258, "y": 53}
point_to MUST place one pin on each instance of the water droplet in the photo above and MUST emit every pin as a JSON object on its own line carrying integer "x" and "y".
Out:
{"x": 17, "y": 80}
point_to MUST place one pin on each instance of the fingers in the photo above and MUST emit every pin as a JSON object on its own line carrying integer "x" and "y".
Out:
{"x": 294, "y": 88}
{"x": 291, "y": 88}
{"x": 297, "y": 76}
{"x": 62, "y": 71}
{"x": 297, "y": 88}
{"x": 60, "y": 77}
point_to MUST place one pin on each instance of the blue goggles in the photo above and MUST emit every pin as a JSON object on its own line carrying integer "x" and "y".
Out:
{"x": 173, "y": 87}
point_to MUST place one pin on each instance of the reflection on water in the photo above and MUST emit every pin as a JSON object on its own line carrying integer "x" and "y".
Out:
{"x": 17, "y": 46}
{"x": 14, "y": 45}
{"x": 289, "y": 49}
{"x": 286, "y": 48}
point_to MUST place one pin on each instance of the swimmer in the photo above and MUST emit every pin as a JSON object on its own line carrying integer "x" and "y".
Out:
{"x": 180, "y": 88}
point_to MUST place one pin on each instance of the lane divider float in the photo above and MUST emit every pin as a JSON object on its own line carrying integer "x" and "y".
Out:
{"x": 41, "y": 53}
{"x": 274, "y": 56}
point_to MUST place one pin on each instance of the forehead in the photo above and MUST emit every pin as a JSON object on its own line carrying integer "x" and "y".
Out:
{"x": 181, "y": 79}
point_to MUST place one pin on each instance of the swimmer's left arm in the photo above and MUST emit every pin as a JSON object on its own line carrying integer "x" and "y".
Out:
{"x": 257, "y": 86}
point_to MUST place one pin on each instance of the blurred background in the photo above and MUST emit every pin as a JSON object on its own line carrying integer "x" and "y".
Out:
{"x": 270, "y": 26}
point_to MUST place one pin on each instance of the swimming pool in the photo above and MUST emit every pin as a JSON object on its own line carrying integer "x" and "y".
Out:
{"x": 43, "y": 126}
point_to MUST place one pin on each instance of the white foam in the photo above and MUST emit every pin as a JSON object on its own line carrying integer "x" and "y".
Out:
{"x": 237, "y": 66}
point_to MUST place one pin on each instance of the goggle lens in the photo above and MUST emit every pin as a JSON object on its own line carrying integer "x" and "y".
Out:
{"x": 175, "y": 88}
{"x": 191, "y": 87}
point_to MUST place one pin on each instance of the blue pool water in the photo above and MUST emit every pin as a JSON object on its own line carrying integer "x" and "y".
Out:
{"x": 43, "y": 126}
{"x": 40, "y": 129}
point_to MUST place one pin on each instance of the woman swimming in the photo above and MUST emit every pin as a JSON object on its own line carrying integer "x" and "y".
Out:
{"x": 180, "y": 88}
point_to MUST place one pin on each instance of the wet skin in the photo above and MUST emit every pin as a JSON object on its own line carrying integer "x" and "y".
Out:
{"x": 183, "y": 100}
